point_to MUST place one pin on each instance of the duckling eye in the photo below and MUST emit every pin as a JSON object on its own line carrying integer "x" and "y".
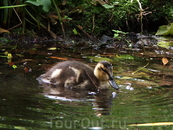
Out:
{"x": 104, "y": 70}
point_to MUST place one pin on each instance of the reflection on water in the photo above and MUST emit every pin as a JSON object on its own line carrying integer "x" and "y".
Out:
{"x": 101, "y": 100}
{"x": 24, "y": 104}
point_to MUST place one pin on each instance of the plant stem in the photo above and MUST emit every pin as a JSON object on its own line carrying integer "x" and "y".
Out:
{"x": 34, "y": 18}
{"x": 59, "y": 17}
{"x": 141, "y": 15}
{"x": 5, "y": 18}
{"x": 13, "y": 6}
{"x": 141, "y": 68}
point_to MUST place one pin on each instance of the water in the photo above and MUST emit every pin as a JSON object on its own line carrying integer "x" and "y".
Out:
{"x": 145, "y": 95}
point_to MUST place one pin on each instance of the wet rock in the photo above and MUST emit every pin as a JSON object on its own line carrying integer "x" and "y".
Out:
{"x": 144, "y": 40}
{"x": 105, "y": 39}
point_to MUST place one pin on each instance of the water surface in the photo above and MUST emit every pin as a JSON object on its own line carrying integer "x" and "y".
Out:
{"x": 145, "y": 94}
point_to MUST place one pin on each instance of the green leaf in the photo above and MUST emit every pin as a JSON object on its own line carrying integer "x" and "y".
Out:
{"x": 165, "y": 44}
{"x": 118, "y": 31}
{"x": 14, "y": 66}
{"x": 108, "y": 6}
{"x": 75, "y": 31}
{"x": 165, "y": 30}
{"x": 3, "y": 56}
{"x": 98, "y": 59}
{"x": 33, "y": 2}
{"x": 127, "y": 57}
{"x": 45, "y": 3}
{"x": 115, "y": 35}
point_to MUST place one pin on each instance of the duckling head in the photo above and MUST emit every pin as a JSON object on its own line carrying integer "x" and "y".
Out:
{"x": 103, "y": 71}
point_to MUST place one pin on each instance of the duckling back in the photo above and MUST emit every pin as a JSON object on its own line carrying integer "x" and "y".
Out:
{"x": 70, "y": 74}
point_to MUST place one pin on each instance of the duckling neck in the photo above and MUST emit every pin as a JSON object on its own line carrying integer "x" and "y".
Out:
{"x": 96, "y": 73}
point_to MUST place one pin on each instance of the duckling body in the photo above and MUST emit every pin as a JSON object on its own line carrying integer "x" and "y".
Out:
{"x": 73, "y": 74}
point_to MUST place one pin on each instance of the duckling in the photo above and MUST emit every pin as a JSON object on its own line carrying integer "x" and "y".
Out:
{"x": 74, "y": 74}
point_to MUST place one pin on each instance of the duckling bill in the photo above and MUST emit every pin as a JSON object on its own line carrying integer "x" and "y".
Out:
{"x": 73, "y": 74}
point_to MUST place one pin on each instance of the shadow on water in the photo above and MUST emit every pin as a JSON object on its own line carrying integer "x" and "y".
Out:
{"x": 145, "y": 94}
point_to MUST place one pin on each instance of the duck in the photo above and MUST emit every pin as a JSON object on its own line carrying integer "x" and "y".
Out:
{"x": 75, "y": 74}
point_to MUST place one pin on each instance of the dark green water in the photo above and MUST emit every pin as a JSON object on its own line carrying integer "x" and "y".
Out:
{"x": 144, "y": 97}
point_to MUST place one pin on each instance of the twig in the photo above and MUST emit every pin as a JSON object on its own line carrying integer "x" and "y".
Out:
{"x": 50, "y": 32}
{"x": 19, "y": 20}
{"x": 141, "y": 14}
{"x": 89, "y": 36}
{"x": 141, "y": 68}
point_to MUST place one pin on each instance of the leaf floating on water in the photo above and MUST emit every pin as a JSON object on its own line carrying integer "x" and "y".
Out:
{"x": 59, "y": 58}
{"x": 165, "y": 44}
{"x": 63, "y": 58}
{"x": 153, "y": 124}
{"x": 126, "y": 77}
{"x": 19, "y": 55}
{"x": 165, "y": 60}
{"x": 26, "y": 68}
{"x": 98, "y": 59}
{"x": 128, "y": 57}
{"x": 10, "y": 63}
{"x": 142, "y": 68}
{"x": 52, "y": 48}
{"x": 14, "y": 66}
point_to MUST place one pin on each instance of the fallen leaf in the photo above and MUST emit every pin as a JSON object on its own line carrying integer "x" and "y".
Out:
{"x": 52, "y": 48}
{"x": 80, "y": 27}
{"x": 26, "y": 69}
{"x": 165, "y": 61}
{"x": 3, "y": 30}
{"x": 63, "y": 58}
{"x": 10, "y": 63}
{"x": 59, "y": 58}
{"x": 14, "y": 66}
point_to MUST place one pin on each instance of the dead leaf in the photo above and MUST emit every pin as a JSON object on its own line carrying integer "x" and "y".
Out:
{"x": 165, "y": 60}
{"x": 3, "y": 30}
{"x": 63, "y": 58}
{"x": 64, "y": 2}
{"x": 53, "y": 17}
{"x": 10, "y": 63}
{"x": 80, "y": 27}
{"x": 27, "y": 70}
{"x": 59, "y": 58}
